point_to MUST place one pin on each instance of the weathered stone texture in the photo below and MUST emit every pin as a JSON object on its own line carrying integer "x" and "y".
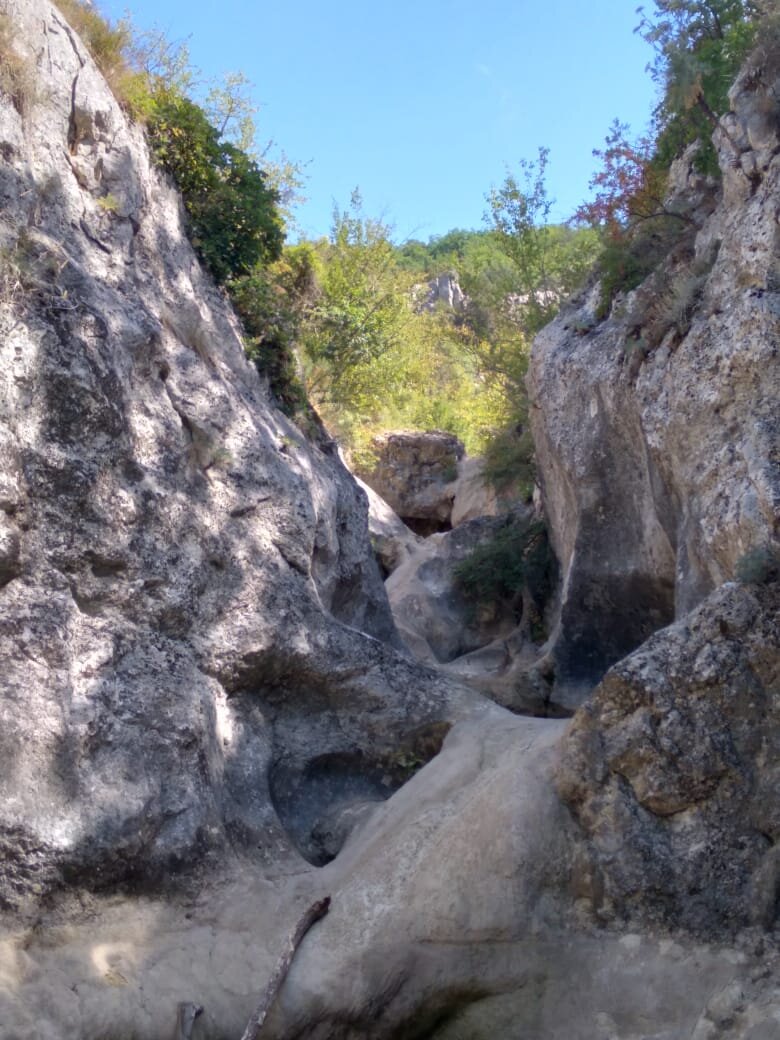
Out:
{"x": 186, "y": 582}
{"x": 671, "y": 471}
{"x": 673, "y": 772}
{"x": 415, "y": 473}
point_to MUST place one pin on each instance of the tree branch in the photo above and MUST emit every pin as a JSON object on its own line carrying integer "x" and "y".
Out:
{"x": 279, "y": 974}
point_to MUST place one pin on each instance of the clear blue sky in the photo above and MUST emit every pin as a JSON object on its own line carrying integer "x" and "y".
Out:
{"x": 422, "y": 105}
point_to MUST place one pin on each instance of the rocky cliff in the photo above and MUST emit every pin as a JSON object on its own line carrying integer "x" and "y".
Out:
{"x": 184, "y": 576}
{"x": 206, "y": 719}
{"x": 657, "y": 430}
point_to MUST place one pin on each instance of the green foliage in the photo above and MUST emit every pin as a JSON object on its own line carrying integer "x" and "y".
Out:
{"x": 699, "y": 46}
{"x": 516, "y": 561}
{"x": 509, "y": 461}
{"x": 234, "y": 221}
{"x": 372, "y": 360}
{"x": 108, "y": 44}
{"x": 759, "y": 566}
{"x": 233, "y": 213}
{"x": 361, "y": 310}
{"x": 518, "y": 213}
{"x": 626, "y": 260}
{"x": 271, "y": 302}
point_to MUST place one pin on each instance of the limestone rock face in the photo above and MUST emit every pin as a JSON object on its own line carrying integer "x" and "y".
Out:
{"x": 393, "y": 542}
{"x": 671, "y": 472}
{"x": 474, "y": 497}
{"x": 190, "y": 611}
{"x": 444, "y": 291}
{"x": 415, "y": 474}
{"x": 676, "y": 762}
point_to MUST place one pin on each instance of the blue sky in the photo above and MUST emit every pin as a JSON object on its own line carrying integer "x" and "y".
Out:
{"x": 422, "y": 106}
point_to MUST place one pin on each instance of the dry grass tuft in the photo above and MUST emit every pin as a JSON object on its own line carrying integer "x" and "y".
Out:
{"x": 17, "y": 79}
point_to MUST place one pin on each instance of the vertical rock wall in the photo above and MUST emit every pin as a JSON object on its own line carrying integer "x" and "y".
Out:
{"x": 657, "y": 438}
{"x": 189, "y": 604}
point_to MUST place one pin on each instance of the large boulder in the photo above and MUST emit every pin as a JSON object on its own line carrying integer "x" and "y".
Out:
{"x": 474, "y": 495}
{"x": 415, "y": 473}
{"x": 673, "y": 772}
{"x": 657, "y": 430}
{"x": 432, "y": 614}
{"x": 392, "y": 541}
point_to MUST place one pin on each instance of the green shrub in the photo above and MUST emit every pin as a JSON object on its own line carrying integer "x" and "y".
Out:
{"x": 518, "y": 559}
{"x": 234, "y": 222}
{"x": 629, "y": 257}
{"x": 271, "y": 302}
{"x": 108, "y": 44}
{"x": 509, "y": 461}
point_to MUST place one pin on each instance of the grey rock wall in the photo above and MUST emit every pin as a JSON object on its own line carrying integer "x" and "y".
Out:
{"x": 190, "y": 611}
{"x": 669, "y": 473}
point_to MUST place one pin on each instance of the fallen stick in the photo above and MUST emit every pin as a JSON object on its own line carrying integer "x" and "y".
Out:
{"x": 312, "y": 915}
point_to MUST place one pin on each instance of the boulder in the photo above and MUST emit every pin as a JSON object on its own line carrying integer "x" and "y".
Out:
{"x": 433, "y": 616}
{"x": 392, "y": 541}
{"x": 415, "y": 473}
{"x": 474, "y": 496}
{"x": 675, "y": 762}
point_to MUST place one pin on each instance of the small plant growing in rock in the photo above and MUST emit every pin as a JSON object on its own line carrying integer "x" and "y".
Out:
{"x": 582, "y": 326}
{"x": 509, "y": 461}
{"x": 759, "y": 566}
{"x": 108, "y": 203}
{"x": 674, "y": 307}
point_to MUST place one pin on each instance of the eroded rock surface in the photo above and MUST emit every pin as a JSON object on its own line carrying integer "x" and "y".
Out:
{"x": 670, "y": 472}
{"x": 432, "y": 613}
{"x": 392, "y": 541}
{"x": 673, "y": 772}
{"x": 415, "y": 473}
{"x": 192, "y": 623}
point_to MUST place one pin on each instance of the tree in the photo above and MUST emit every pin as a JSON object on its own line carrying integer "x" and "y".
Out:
{"x": 362, "y": 307}
{"x": 699, "y": 46}
{"x": 518, "y": 213}
{"x": 629, "y": 187}
{"x": 235, "y": 223}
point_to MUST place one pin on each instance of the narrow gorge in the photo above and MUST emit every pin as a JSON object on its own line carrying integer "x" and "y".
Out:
{"x": 210, "y": 717}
